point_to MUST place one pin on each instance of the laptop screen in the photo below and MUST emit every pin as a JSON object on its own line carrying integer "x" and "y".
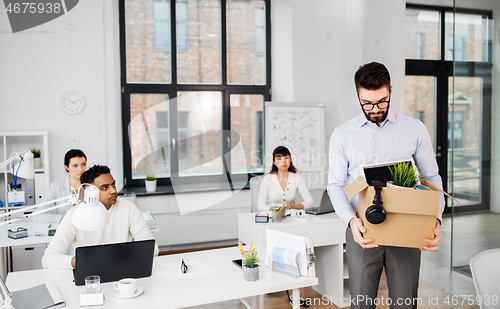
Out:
{"x": 113, "y": 262}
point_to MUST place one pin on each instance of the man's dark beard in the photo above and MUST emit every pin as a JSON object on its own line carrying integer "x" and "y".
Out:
{"x": 386, "y": 112}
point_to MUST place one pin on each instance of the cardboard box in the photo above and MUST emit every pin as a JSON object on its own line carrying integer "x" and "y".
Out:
{"x": 411, "y": 214}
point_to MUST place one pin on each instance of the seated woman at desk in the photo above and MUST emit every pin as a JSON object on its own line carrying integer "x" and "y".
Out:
{"x": 280, "y": 187}
{"x": 282, "y": 183}
{"x": 75, "y": 163}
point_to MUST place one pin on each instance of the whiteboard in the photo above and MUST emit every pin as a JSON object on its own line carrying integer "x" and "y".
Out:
{"x": 301, "y": 128}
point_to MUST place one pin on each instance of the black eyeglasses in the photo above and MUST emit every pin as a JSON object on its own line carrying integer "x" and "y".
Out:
{"x": 184, "y": 267}
{"x": 369, "y": 106}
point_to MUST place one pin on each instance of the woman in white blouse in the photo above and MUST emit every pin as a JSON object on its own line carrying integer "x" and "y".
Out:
{"x": 282, "y": 183}
{"x": 75, "y": 163}
{"x": 280, "y": 186}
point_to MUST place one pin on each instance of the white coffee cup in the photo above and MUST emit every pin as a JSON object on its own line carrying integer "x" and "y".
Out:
{"x": 126, "y": 287}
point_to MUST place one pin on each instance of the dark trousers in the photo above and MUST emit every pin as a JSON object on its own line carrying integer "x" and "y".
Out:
{"x": 402, "y": 267}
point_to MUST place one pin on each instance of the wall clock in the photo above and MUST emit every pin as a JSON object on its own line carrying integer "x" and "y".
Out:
{"x": 72, "y": 102}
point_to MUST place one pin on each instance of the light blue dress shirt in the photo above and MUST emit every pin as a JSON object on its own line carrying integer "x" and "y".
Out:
{"x": 359, "y": 142}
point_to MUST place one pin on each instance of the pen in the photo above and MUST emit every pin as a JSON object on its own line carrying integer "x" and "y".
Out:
{"x": 282, "y": 207}
{"x": 250, "y": 250}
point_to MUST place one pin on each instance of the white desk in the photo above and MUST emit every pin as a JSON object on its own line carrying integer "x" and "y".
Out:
{"x": 31, "y": 240}
{"x": 32, "y": 227}
{"x": 160, "y": 292}
{"x": 328, "y": 234}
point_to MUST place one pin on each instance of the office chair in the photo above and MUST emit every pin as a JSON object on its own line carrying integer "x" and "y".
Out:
{"x": 485, "y": 268}
{"x": 254, "y": 192}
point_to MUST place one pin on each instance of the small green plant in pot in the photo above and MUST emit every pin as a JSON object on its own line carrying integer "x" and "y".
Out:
{"x": 37, "y": 160}
{"x": 404, "y": 174}
{"x": 251, "y": 267}
{"x": 36, "y": 152}
{"x": 150, "y": 183}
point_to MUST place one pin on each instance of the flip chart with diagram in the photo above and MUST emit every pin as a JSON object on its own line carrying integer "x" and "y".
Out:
{"x": 300, "y": 127}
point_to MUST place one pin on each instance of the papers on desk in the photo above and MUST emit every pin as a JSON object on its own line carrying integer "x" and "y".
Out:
{"x": 288, "y": 252}
{"x": 44, "y": 296}
{"x": 195, "y": 269}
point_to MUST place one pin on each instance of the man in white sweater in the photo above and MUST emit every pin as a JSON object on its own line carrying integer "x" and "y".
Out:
{"x": 125, "y": 223}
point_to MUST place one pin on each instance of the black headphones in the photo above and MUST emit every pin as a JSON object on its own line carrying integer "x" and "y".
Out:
{"x": 375, "y": 214}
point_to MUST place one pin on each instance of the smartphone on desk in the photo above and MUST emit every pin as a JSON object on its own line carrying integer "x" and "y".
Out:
{"x": 238, "y": 262}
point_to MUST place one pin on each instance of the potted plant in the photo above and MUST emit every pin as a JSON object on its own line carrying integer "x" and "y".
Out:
{"x": 150, "y": 183}
{"x": 404, "y": 174}
{"x": 251, "y": 267}
{"x": 37, "y": 160}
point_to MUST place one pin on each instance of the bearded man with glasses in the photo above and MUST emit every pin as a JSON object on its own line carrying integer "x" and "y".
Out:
{"x": 379, "y": 135}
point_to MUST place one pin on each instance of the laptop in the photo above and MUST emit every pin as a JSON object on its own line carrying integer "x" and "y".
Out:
{"x": 325, "y": 205}
{"x": 113, "y": 262}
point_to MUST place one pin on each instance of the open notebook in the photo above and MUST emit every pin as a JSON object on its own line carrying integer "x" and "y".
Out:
{"x": 43, "y": 296}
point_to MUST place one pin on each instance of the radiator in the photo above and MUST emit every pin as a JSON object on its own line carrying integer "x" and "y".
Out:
{"x": 197, "y": 227}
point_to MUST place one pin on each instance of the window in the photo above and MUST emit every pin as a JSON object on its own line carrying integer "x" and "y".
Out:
{"x": 260, "y": 32}
{"x": 420, "y": 115}
{"x": 193, "y": 91}
{"x": 472, "y": 36}
{"x": 448, "y": 86}
{"x": 181, "y": 16}
{"x": 459, "y": 51}
{"x": 422, "y": 33}
{"x": 162, "y": 26}
{"x": 163, "y": 134}
{"x": 420, "y": 46}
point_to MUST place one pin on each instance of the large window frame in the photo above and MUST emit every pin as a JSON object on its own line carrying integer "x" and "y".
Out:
{"x": 197, "y": 183}
{"x": 444, "y": 69}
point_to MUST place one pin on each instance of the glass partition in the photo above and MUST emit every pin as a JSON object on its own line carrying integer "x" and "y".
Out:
{"x": 471, "y": 96}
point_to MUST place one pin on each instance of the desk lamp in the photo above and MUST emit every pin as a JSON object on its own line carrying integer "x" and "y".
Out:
{"x": 89, "y": 215}
{"x": 24, "y": 168}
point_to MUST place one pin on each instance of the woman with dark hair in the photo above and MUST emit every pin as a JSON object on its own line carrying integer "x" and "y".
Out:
{"x": 282, "y": 183}
{"x": 75, "y": 163}
{"x": 280, "y": 187}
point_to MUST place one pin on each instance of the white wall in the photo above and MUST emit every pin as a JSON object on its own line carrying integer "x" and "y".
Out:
{"x": 41, "y": 64}
{"x": 330, "y": 40}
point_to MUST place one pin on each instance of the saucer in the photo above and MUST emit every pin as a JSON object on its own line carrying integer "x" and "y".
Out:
{"x": 138, "y": 292}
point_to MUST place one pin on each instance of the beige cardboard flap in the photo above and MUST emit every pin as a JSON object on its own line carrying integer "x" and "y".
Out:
{"x": 433, "y": 187}
{"x": 355, "y": 186}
